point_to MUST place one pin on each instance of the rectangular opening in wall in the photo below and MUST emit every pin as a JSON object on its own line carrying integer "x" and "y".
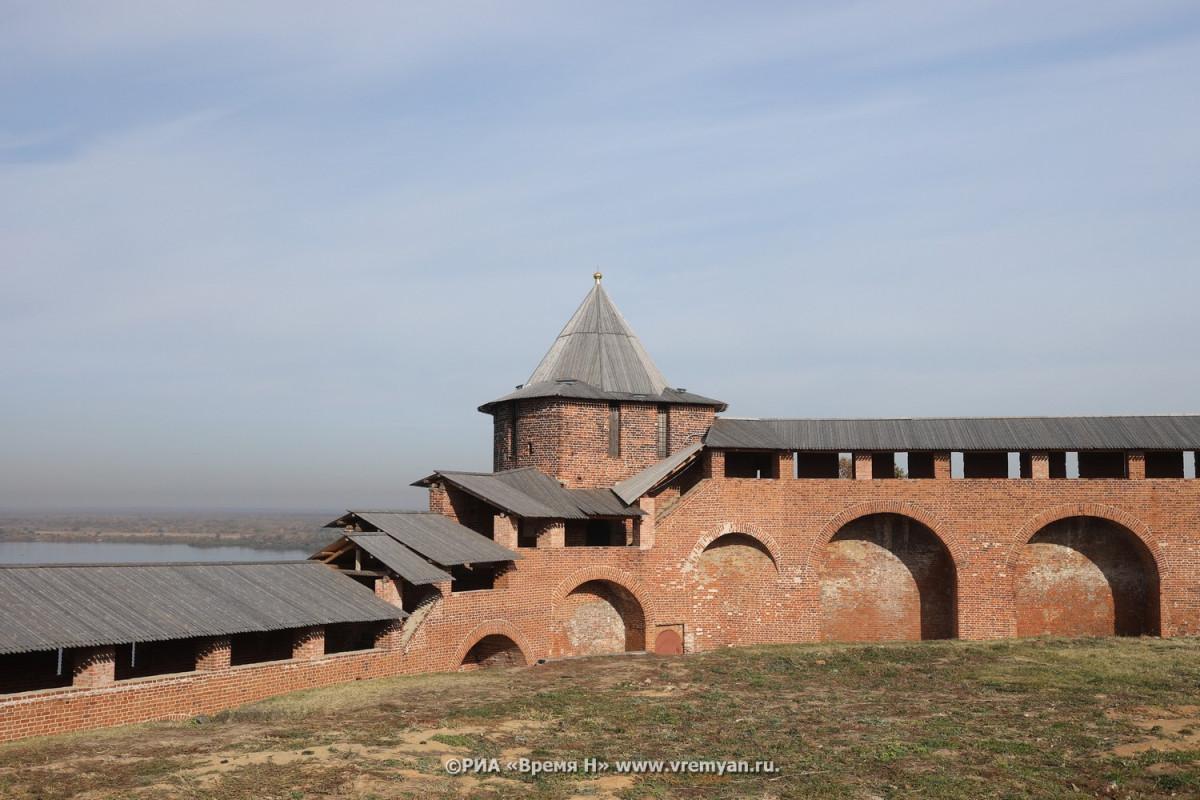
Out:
{"x": 412, "y": 596}
{"x": 143, "y": 659}
{"x": 527, "y": 531}
{"x": 1165, "y": 464}
{"x": 1189, "y": 464}
{"x": 749, "y": 464}
{"x": 985, "y": 465}
{"x": 1103, "y": 464}
{"x": 594, "y": 533}
{"x": 883, "y": 465}
{"x": 1057, "y": 464}
{"x": 472, "y": 578}
{"x": 1013, "y": 470}
{"x": 513, "y": 441}
{"x": 817, "y": 465}
{"x": 920, "y": 466}
{"x": 31, "y": 672}
{"x": 599, "y": 533}
{"x": 254, "y": 648}
{"x": 956, "y": 465}
{"x": 614, "y": 430}
{"x": 346, "y": 637}
{"x": 664, "y": 431}
{"x": 846, "y": 466}
{"x": 1024, "y": 465}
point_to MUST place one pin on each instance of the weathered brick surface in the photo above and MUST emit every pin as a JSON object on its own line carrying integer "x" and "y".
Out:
{"x": 728, "y": 574}
{"x": 569, "y": 439}
{"x": 742, "y": 561}
{"x": 886, "y": 577}
{"x": 493, "y": 651}
{"x": 1085, "y": 577}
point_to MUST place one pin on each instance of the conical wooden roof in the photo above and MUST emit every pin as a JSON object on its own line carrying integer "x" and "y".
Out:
{"x": 597, "y": 347}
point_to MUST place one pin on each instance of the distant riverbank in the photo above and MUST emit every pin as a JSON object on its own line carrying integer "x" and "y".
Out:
{"x": 278, "y": 532}
{"x": 115, "y": 553}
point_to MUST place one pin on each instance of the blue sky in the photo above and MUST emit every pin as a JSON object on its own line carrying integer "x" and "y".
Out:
{"x": 276, "y": 254}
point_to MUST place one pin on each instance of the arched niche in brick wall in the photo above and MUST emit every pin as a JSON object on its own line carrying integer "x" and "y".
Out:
{"x": 495, "y": 643}
{"x": 492, "y": 652}
{"x": 887, "y": 577}
{"x": 731, "y": 577}
{"x": 1086, "y": 576}
{"x": 599, "y": 617}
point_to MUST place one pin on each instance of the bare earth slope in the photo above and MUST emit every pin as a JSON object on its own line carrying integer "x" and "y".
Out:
{"x": 1028, "y": 718}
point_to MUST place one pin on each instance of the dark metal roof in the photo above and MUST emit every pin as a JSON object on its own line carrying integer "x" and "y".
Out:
{"x": 526, "y": 492}
{"x": 631, "y": 489}
{"x": 530, "y": 493}
{"x": 601, "y": 503}
{"x": 1179, "y": 432}
{"x": 438, "y": 538}
{"x": 85, "y": 605}
{"x": 577, "y": 390}
{"x": 398, "y": 558}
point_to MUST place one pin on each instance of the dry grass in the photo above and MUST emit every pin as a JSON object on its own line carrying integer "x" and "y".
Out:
{"x": 1032, "y": 718}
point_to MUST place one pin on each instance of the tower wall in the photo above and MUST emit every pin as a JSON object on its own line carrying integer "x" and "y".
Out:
{"x": 570, "y": 439}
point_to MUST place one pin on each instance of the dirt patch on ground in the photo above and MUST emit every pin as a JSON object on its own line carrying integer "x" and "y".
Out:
{"x": 1173, "y": 729}
{"x": 411, "y": 746}
{"x": 937, "y": 719}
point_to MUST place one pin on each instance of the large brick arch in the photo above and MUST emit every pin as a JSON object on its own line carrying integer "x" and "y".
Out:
{"x": 743, "y": 528}
{"x": 1123, "y": 518}
{"x": 736, "y": 593}
{"x": 816, "y": 553}
{"x": 869, "y": 586}
{"x": 1150, "y": 544}
{"x": 600, "y": 573}
{"x": 493, "y": 627}
{"x": 621, "y": 614}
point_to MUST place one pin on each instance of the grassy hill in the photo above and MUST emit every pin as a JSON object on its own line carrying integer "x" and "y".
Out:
{"x": 1027, "y": 718}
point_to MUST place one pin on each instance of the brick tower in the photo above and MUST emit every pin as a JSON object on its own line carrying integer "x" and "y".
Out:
{"x": 596, "y": 410}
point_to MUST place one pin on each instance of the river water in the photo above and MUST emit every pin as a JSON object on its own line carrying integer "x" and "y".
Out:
{"x": 113, "y": 552}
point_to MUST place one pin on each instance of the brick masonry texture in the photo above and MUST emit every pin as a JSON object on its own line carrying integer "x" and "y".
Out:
{"x": 569, "y": 439}
{"x": 747, "y": 561}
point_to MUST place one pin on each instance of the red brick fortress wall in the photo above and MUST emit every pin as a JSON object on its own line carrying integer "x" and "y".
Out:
{"x": 911, "y": 559}
{"x": 739, "y": 561}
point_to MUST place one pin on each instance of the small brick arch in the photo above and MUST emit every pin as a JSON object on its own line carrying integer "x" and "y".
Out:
{"x": 847, "y": 515}
{"x": 743, "y": 528}
{"x": 600, "y": 573}
{"x": 494, "y": 627}
{"x": 1123, "y": 518}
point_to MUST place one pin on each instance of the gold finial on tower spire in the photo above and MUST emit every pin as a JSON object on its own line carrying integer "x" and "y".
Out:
{"x": 597, "y": 276}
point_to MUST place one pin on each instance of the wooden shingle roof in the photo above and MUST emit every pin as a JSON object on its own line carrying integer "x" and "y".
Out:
{"x": 597, "y": 356}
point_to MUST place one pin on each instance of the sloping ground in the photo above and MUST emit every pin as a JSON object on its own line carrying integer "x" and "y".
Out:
{"x": 1027, "y": 718}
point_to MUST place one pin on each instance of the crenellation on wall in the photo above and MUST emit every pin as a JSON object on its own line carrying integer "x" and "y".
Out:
{"x": 95, "y": 667}
{"x": 308, "y": 643}
{"x": 863, "y": 466}
{"x": 213, "y": 654}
